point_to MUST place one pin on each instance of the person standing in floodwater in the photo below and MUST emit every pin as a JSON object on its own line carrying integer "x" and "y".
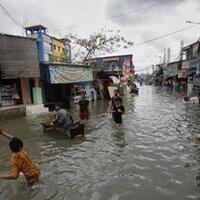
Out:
{"x": 84, "y": 113}
{"x": 118, "y": 111}
{"x": 116, "y": 98}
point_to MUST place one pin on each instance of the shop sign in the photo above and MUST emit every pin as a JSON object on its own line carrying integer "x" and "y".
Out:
{"x": 122, "y": 63}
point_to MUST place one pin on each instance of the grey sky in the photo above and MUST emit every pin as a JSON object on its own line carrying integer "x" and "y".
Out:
{"x": 83, "y": 17}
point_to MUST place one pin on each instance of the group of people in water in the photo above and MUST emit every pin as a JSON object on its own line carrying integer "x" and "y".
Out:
{"x": 63, "y": 119}
{"x": 21, "y": 162}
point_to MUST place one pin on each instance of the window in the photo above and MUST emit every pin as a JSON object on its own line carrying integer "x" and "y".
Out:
{"x": 54, "y": 47}
{"x": 58, "y": 48}
{"x": 63, "y": 50}
{"x": 51, "y": 46}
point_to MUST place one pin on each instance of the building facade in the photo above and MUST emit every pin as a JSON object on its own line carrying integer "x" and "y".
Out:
{"x": 61, "y": 80}
{"x": 119, "y": 66}
{"x": 50, "y": 49}
{"x": 19, "y": 71}
{"x": 191, "y": 64}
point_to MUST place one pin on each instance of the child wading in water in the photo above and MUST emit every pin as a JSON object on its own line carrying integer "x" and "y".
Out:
{"x": 20, "y": 161}
{"x": 84, "y": 110}
{"x": 118, "y": 111}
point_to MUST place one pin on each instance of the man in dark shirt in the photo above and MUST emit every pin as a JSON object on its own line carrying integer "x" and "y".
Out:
{"x": 84, "y": 111}
{"x": 116, "y": 98}
{"x": 118, "y": 111}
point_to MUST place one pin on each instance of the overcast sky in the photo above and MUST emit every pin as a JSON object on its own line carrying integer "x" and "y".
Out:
{"x": 138, "y": 20}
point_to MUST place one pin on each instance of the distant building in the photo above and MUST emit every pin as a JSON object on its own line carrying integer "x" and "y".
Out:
{"x": 51, "y": 49}
{"x": 191, "y": 64}
{"x": 120, "y": 66}
{"x": 157, "y": 76}
{"x": 171, "y": 70}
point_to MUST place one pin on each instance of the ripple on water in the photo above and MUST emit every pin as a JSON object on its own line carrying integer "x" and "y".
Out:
{"x": 152, "y": 156}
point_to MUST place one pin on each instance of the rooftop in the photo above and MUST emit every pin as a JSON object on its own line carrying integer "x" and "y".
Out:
{"x": 35, "y": 28}
{"x": 16, "y": 36}
{"x": 190, "y": 45}
{"x": 108, "y": 57}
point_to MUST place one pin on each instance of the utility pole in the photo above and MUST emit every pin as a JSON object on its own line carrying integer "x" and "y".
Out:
{"x": 164, "y": 60}
{"x": 181, "y": 49}
{"x": 168, "y": 55}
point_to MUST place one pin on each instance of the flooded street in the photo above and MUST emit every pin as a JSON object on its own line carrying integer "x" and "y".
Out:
{"x": 153, "y": 156}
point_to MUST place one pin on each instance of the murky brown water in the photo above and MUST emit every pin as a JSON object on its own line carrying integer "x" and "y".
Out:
{"x": 153, "y": 156}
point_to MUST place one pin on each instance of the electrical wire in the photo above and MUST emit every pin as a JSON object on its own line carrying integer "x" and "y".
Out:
{"x": 10, "y": 16}
{"x": 138, "y": 10}
{"x": 164, "y": 36}
{"x": 118, "y": 16}
{"x": 157, "y": 38}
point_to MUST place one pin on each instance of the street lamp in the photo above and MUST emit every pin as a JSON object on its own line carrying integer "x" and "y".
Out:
{"x": 190, "y": 22}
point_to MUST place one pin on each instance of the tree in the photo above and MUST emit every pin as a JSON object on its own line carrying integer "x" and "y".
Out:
{"x": 99, "y": 42}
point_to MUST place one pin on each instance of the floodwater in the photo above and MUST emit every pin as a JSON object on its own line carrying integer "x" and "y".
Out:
{"x": 153, "y": 156}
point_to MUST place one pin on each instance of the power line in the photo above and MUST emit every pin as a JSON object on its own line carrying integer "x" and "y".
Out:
{"x": 164, "y": 36}
{"x": 9, "y": 15}
{"x": 158, "y": 38}
{"x": 119, "y": 16}
{"x": 138, "y": 10}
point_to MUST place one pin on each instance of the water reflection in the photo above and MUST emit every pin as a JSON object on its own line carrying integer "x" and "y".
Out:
{"x": 119, "y": 138}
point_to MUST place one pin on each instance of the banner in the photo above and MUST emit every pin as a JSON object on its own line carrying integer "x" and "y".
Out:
{"x": 69, "y": 74}
{"x": 116, "y": 63}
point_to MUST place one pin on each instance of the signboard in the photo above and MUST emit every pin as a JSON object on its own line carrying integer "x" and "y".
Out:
{"x": 69, "y": 74}
{"x": 115, "y": 63}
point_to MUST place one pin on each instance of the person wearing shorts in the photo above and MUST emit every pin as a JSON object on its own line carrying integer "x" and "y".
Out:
{"x": 84, "y": 110}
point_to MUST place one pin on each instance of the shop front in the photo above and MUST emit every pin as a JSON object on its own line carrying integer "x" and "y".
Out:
{"x": 10, "y": 92}
{"x": 19, "y": 71}
{"x": 63, "y": 82}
